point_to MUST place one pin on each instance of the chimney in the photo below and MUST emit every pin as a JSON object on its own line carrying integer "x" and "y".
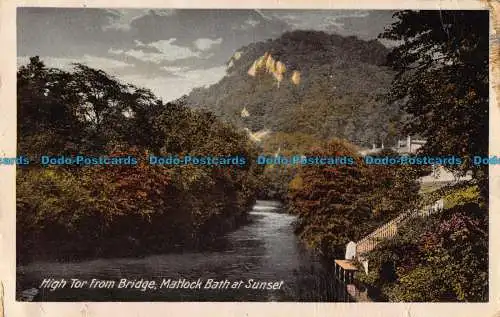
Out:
{"x": 373, "y": 146}
{"x": 382, "y": 145}
{"x": 408, "y": 143}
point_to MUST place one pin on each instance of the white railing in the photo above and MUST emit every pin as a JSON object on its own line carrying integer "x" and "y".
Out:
{"x": 390, "y": 229}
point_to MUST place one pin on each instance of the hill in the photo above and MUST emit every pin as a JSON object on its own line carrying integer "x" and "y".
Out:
{"x": 307, "y": 83}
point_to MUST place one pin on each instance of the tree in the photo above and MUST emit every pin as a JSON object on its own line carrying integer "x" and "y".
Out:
{"x": 326, "y": 199}
{"x": 442, "y": 67}
{"x": 394, "y": 188}
{"x": 85, "y": 110}
{"x": 102, "y": 105}
{"x": 46, "y": 110}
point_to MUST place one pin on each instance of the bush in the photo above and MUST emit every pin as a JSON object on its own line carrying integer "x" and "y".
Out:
{"x": 444, "y": 258}
{"x": 469, "y": 194}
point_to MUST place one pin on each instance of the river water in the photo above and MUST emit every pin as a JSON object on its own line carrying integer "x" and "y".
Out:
{"x": 265, "y": 250}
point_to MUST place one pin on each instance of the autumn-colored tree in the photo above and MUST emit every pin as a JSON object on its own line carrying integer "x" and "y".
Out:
{"x": 326, "y": 199}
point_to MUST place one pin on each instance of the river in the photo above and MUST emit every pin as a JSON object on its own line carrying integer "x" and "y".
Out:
{"x": 265, "y": 250}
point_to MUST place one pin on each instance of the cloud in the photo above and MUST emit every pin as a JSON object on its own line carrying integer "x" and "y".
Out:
{"x": 173, "y": 52}
{"x": 323, "y": 20}
{"x": 361, "y": 23}
{"x": 264, "y": 16}
{"x": 139, "y": 54}
{"x": 174, "y": 69}
{"x": 187, "y": 26}
{"x": 168, "y": 82}
{"x": 250, "y": 23}
{"x": 204, "y": 44}
{"x": 65, "y": 32}
{"x": 124, "y": 17}
{"x": 171, "y": 88}
{"x": 106, "y": 64}
{"x": 166, "y": 51}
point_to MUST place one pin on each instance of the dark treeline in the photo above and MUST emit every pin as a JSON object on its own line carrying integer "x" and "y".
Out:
{"x": 67, "y": 212}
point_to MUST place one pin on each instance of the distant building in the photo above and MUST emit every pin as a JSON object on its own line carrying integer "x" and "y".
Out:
{"x": 408, "y": 146}
{"x": 411, "y": 146}
{"x": 441, "y": 174}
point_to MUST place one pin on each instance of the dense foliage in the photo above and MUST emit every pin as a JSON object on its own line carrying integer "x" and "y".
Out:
{"x": 339, "y": 203}
{"x": 124, "y": 209}
{"x": 444, "y": 258}
{"x": 441, "y": 82}
{"x": 442, "y": 66}
{"x": 276, "y": 178}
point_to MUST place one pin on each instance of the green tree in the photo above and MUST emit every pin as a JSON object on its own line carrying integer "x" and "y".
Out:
{"x": 442, "y": 67}
{"x": 48, "y": 123}
{"x": 394, "y": 188}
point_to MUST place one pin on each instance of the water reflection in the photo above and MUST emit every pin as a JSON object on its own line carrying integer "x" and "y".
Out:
{"x": 266, "y": 250}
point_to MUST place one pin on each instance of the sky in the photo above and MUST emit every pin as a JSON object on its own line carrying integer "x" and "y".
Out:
{"x": 169, "y": 51}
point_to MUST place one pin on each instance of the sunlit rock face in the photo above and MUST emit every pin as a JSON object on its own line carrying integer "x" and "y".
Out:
{"x": 266, "y": 64}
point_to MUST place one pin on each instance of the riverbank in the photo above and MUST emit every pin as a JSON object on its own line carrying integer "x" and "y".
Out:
{"x": 264, "y": 249}
{"x": 152, "y": 241}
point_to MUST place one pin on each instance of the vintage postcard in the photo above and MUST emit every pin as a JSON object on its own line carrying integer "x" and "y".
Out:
{"x": 338, "y": 156}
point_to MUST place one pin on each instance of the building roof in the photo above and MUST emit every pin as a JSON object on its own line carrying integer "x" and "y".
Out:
{"x": 346, "y": 265}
